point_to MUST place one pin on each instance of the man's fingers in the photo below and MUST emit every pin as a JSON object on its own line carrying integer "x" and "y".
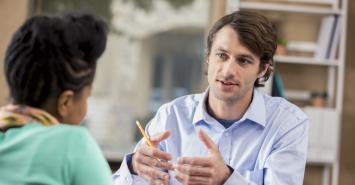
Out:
{"x": 149, "y": 161}
{"x": 155, "y": 153}
{"x": 194, "y": 170}
{"x": 160, "y": 182}
{"x": 191, "y": 180}
{"x": 165, "y": 165}
{"x": 151, "y": 180}
{"x": 156, "y": 139}
{"x": 152, "y": 173}
{"x": 195, "y": 161}
{"x": 207, "y": 140}
{"x": 180, "y": 177}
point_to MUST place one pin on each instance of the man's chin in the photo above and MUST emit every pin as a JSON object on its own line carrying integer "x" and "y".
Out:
{"x": 225, "y": 96}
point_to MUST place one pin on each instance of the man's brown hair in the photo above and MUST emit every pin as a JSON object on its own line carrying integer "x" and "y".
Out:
{"x": 255, "y": 32}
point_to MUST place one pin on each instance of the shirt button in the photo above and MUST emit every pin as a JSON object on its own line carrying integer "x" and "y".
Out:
{"x": 226, "y": 134}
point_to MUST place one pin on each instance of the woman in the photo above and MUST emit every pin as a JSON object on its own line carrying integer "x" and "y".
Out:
{"x": 50, "y": 66}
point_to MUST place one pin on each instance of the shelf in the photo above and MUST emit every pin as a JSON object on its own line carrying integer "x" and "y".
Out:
{"x": 316, "y": 160}
{"x": 288, "y": 8}
{"x": 326, "y": 2}
{"x": 302, "y": 95}
{"x": 305, "y": 60}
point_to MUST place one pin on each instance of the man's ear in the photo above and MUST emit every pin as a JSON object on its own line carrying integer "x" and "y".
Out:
{"x": 65, "y": 101}
{"x": 206, "y": 58}
{"x": 262, "y": 73}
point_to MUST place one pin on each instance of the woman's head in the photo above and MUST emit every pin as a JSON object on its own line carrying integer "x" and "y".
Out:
{"x": 50, "y": 63}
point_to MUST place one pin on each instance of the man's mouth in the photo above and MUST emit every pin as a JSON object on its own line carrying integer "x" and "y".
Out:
{"x": 227, "y": 83}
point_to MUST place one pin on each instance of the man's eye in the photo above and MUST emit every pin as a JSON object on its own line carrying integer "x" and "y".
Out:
{"x": 222, "y": 56}
{"x": 244, "y": 61}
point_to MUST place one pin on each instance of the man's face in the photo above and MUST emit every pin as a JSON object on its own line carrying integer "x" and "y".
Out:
{"x": 232, "y": 68}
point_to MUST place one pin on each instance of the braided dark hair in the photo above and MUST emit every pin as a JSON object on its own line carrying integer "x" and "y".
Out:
{"x": 48, "y": 55}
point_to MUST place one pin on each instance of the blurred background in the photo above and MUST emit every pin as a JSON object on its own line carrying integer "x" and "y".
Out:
{"x": 155, "y": 53}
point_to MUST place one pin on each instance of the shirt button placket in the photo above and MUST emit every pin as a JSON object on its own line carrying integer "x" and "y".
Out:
{"x": 225, "y": 146}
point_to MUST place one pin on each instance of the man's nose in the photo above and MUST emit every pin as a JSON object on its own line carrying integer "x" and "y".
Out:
{"x": 229, "y": 68}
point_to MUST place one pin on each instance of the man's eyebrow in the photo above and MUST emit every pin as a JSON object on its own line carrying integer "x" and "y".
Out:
{"x": 222, "y": 50}
{"x": 246, "y": 56}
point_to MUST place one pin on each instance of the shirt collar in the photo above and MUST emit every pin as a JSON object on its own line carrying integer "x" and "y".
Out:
{"x": 256, "y": 111}
{"x": 201, "y": 110}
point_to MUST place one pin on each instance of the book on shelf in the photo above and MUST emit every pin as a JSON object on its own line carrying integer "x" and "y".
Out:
{"x": 301, "y": 46}
{"x": 323, "y": 133}
{"x": 335, "y": 39}
{"x": 328, "y": 39}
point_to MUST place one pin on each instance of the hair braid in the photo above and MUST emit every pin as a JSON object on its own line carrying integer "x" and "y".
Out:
{"x": 48, "y": 55}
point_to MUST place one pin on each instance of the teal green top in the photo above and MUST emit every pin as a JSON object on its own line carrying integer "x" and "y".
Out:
{"x": 55, "y": 155}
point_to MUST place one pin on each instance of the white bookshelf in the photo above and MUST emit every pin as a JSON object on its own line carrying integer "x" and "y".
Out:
{"x": 282, "y": 7}
{"x": 325, "y": 122}
{"x": 302, "y": 95}
{"x": 309, "y": 2}
{"x": 306, "y": 61}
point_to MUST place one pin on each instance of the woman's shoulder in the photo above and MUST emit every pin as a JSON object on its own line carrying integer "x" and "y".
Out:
{"x": 66, "y": 128}
{"x": 60, "y": 133}
{"x": 72, "y": 132}
{"x": 72, "y": 139}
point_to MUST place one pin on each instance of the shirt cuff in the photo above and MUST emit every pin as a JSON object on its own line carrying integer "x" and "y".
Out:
{"x": 236, "y": 178}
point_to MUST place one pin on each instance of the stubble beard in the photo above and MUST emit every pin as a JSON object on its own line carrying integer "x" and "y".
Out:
{"x": 227, "y": 98}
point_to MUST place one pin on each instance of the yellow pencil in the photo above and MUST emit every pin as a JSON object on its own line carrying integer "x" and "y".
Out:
{"x": 144, "y": 134}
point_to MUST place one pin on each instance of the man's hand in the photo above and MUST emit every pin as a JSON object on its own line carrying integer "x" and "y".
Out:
{"x": 148, "y": 161}
{"x": 210, "y": 170}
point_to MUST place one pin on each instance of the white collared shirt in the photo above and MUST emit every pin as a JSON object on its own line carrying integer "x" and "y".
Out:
{"x": 268, "y": 145}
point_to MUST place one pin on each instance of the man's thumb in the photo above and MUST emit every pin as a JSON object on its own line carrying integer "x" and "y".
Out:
{"x": 156, "y": 139}
{"x": 206, "y": 140}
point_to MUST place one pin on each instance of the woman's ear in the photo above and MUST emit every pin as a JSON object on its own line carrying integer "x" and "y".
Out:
{"x": 262, "y": 73}
{"x": 65, "y": 102}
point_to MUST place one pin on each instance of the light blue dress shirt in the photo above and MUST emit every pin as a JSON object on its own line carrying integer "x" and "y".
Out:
{"x": 268, "y": 145}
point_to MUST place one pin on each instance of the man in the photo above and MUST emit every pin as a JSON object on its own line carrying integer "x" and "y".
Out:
{"x": 231, "y": 133}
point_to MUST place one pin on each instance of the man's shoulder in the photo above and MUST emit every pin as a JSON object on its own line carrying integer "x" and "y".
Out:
{"x": 281, "y": 105}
